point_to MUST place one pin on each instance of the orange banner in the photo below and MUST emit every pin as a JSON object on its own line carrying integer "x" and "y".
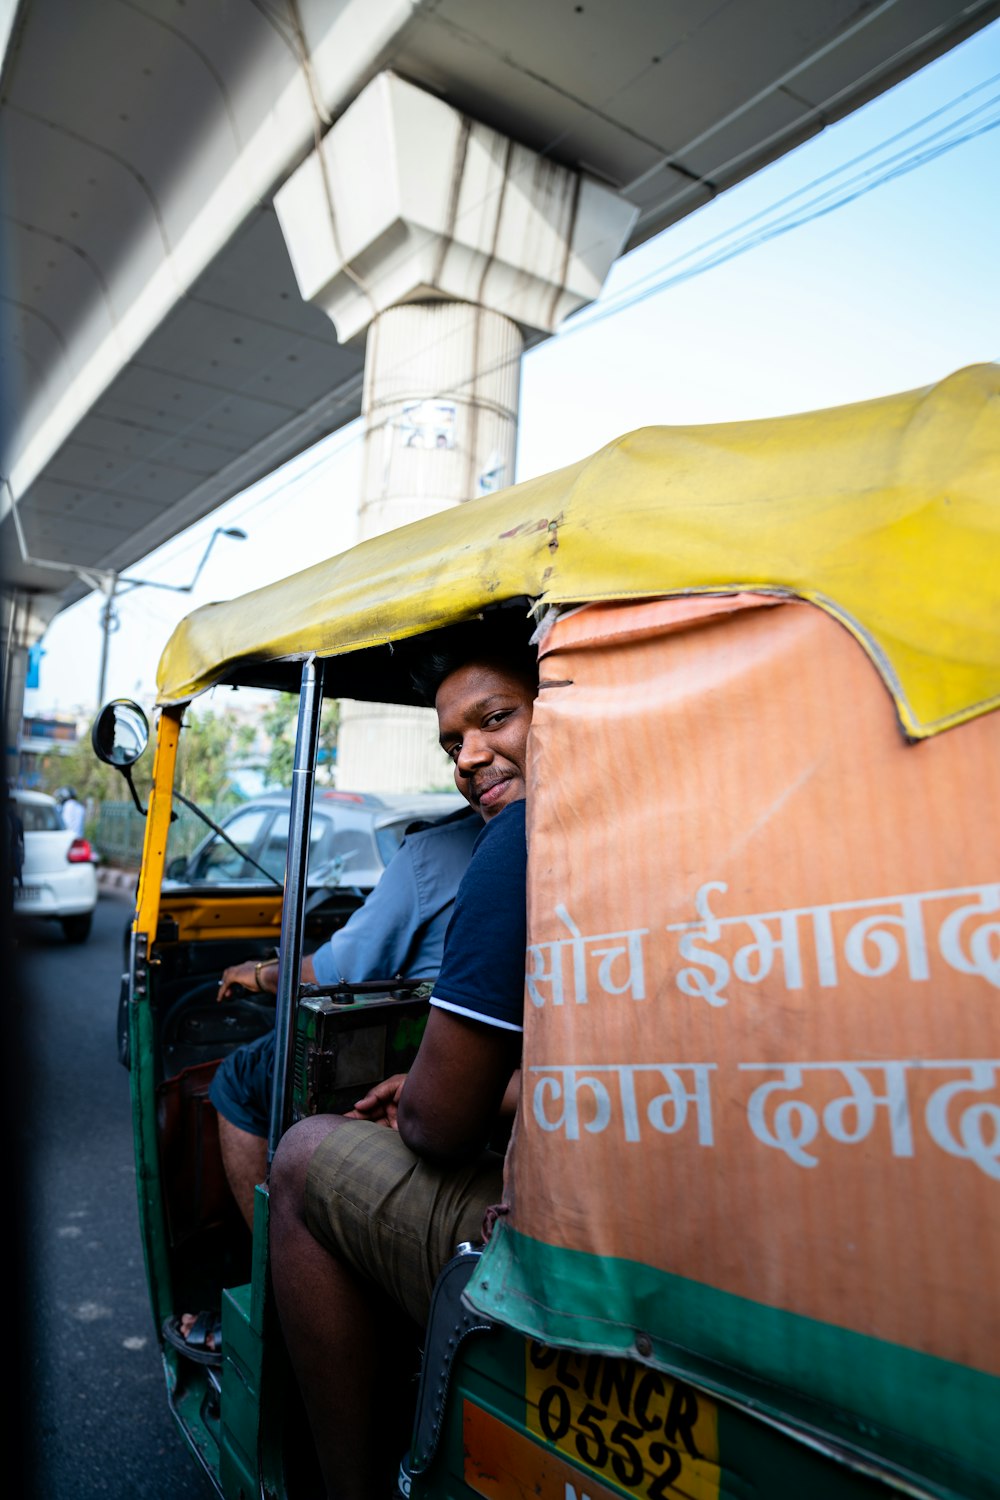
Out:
{"x": 763, "y": 973}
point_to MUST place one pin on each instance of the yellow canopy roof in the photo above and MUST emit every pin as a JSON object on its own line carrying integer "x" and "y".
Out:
{"x": 885, "y": 513}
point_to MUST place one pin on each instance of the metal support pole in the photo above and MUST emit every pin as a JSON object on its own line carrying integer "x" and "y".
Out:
{"x": 14, "y": 600}
{"x": 109, "y": 603}
{"x": 293, "y": 910}
{"x": 13, "y": 714}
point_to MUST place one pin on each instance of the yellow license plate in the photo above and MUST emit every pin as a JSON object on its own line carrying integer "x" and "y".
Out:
{"x": 654, "y": 1437}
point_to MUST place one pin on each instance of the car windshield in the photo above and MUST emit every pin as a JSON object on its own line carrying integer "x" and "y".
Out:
{"x": 218, "y": 860}
{"x": 40, "y": 817}
{"x": 274, "y": 849}
{"x": 341, "y": 836}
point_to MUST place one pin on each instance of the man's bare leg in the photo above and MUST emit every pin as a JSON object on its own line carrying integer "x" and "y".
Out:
{"x": 334, "y": 1326}
{"x": 244, "y": 1159}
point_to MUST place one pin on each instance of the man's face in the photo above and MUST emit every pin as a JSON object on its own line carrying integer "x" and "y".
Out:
{"x": 484, "y": 714}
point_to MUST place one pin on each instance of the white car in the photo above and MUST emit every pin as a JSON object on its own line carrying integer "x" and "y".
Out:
{"x": 58, "y": 879}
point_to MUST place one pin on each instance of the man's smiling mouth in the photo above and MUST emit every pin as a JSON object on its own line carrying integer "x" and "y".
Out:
{"x": 489, "y": 789}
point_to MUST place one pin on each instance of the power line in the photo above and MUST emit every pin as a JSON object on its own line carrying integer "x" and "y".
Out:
{"x": 824, "y": 177}
{"x": 879, "y": 176}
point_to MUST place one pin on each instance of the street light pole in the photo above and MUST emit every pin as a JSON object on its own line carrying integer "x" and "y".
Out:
{"x": 116, "y": 585}
{"x": 107, "y": 618}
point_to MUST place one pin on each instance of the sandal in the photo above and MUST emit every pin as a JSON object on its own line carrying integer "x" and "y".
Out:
{"x": 206, "y": 1326}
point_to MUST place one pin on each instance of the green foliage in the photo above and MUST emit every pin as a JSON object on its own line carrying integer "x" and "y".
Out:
{"x": 209, "y": 744}
{"x": 329, "y": 729}
{"x": 279, "y": 726}
{"x": 79, "y": 768}
{"x": 280, "y": 721}
{"x": 96, "y": 785}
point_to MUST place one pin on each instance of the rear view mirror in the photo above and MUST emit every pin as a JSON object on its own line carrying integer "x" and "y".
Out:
{"x": 120, "y": 733}
{"x": 119, "y": 736}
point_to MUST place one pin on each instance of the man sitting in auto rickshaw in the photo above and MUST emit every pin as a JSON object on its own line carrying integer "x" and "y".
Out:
{"x": 363, "y": 1219}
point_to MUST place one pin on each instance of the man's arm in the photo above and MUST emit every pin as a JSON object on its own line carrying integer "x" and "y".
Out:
{"x": 260, "y": 978}
{"x": 372, "y": 944}
{"x": 453, "y": 1093}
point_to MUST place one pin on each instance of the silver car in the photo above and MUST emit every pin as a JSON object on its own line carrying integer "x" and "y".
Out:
{"x": 352, "y": 839}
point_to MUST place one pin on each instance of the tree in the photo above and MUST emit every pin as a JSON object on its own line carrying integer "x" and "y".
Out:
{"x": 96, "y": 784}
{"x": 209, "y": 745}
{"x": 280, "y": 721}
{"x": 329, "y": 729}
{"x": 279, "y": 727}
{"x": 90, "y": 778}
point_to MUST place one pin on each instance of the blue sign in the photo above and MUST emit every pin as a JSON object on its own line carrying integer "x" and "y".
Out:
{"x": 35, "y": 654}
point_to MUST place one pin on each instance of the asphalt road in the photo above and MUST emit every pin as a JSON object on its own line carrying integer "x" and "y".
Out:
{"x": 92, "y": 1417}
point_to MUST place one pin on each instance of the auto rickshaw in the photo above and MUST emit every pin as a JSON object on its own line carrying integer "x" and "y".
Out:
{"x": 753, "y": 1187}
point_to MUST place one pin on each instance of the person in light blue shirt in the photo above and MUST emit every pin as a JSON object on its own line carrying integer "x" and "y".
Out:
{"x": 400, "y": 928}
{"x": 397, "y": 933}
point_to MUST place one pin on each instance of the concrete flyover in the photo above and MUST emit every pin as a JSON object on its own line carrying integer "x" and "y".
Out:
{"x": 230, "y": 226}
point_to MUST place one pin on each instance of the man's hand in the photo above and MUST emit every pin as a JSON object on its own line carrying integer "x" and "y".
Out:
{"x": 260, "y": 978}
{"x": 247, "y": 975}
{"x": 381, "y": 1103}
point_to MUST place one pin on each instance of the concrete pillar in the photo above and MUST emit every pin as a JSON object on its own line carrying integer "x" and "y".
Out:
{"x": 440, "y": 409}
{"x": 445, "y": 244}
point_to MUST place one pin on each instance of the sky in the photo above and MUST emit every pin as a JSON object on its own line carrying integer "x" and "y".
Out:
{"x": 863, "y": 263}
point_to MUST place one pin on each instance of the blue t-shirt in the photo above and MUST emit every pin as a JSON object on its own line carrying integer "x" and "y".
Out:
{"x": 401, "y": 927}
{"x": 482, "y": 971}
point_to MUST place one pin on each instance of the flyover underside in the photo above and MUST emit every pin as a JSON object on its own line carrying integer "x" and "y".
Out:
{"x": 241, "y": 376}
{"x": 157, "y": 357}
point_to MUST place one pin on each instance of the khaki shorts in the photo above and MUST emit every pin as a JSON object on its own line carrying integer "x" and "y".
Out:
{"x": 393, "y": 1217}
